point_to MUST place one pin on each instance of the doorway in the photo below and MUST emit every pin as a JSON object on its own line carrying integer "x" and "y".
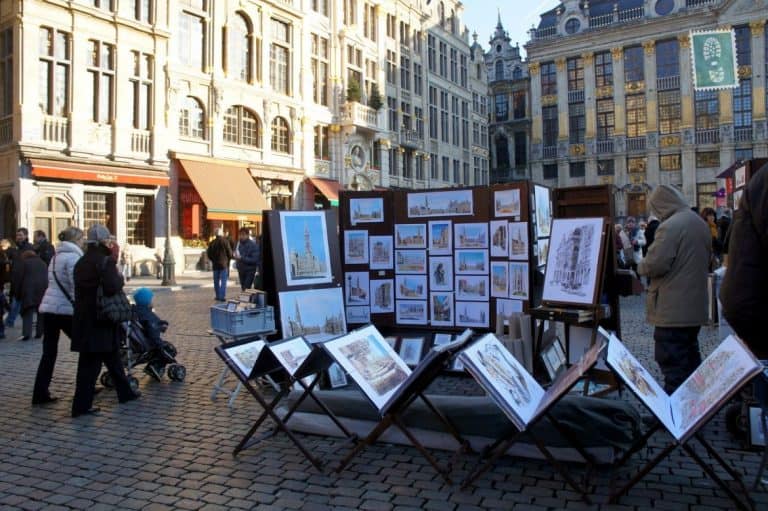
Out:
{"x": 636, "y": 205}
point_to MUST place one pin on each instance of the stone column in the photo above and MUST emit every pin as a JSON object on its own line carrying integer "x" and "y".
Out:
{"x": 562, "y": 107}
{"x": 759, "y": 116}
{"x": 619, "y": 110}
{"x": 588, "y": 60}
{"x": 652, "y": 138}
{"x": 537, "y": 128}
{"x": 688, "y": 157}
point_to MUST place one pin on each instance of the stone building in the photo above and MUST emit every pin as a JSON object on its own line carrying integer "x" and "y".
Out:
{"x": 613, "y": 99}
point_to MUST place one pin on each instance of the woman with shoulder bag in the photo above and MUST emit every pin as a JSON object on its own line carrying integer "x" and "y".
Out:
{"x": 56, "y": 308}
{"x": 97, "y": 340}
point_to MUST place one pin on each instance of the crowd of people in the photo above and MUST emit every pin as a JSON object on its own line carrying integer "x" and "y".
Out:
{"x": 246, "y": 253}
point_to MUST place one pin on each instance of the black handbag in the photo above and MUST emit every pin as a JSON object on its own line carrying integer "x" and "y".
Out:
{"x": 115, "y": 308}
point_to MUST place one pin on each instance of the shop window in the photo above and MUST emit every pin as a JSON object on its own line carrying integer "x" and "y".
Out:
{"x": 52, "y": 215}
{"x": 138, "y": 220}
{"x": 99, "y": 208}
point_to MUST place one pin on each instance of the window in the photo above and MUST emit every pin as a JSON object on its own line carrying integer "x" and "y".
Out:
{"x": 433, "y": 170}
{"x": 239, "y": 50}
{"x": 419, "y": 161}
{"x": 320, "y": 69}
{"x": 391, "y": 67}
{"x": 376, "y": 163}
{"x": 708, "y": 159}
{"x": 743, "y": 45}
{"x": 99, "y": 208}
{"x": 369, "y": 22}
{"x": 242, "y": 127}
{"x": 705, "y": 195}
{"x": 521, "y": 149}
{"x": 548, "y": 79}
{"x": 550, "y": 171}
{"x": 191, "y": 118}
{"x": 405, "y": 34}
{"x": 518, "y": 104}
{"x": 55, "y": 55}
{"x": 463, "y": 70}
{"x": 405, "y": 73}
{"x": 577, "y": 123}
{"x": 281, "y": 139}
{"x": 141, "y": 85}
{"x": 502, "y": 107}
{"x": 634, "y": 64}
{"x": 393, "y": 162}
{"x": 408, "y": 164}
{"x": 6, "y": 73}
{"x": 606, "y": 121}
{"x": 454, "y": 65}
{"x": 350, "y": 12}
{"x": 572, "y": 26}
{"x": 418, "y": 113}
{"x": 446, "y": 168}
{"x": 392, "y": 105}
{"x": 517, "y": 73}
{"x": 432, "y": 112}
{"x": 320, "y": 7}
{"x": 636, "y": 115}
{"x": 603, "y": 69}
{"x": 391, "y": 26}
{"x": 417, "y": 79}
{"x": 476, "y": 133}
{"x": 138, "y": 220}
{"x": 279, "y": 63}
{"x": 191, "y": 40}
{"x": 105, "y": 5}
{"x": 576, "y": 169}
{"x": 483, "y": 135}
{"x": 465, "y": 124}
{"x": 707, "y": 110}
{"x": 670, "y": 162}
{"x": 667, "y": 58}
{"x": 431, "y": 55}
{"x": 465, "y": 173}
{"x": 443, "y": 59}
{"x": 52, "y": 216}
{"x": 502, "y": 152}
{"x": 605, "y": 168}
{"x": 742, "y": 104}
{"x": 476, "y": 169}
{"x": 101, "y": 68}
{"x": 141, "y": 10}
{"x": 743, "y": 154}
{"x": 669, "y": 111}
{"x": 405, "y": 109}
{"x": 444, "y": 116}
{"x": 575, "y": 74}
{"x": 455, "y": 120}
{"x": 549, "y": 125}
{"x": 456, "y": 171}
{"x": 636, "y": 165}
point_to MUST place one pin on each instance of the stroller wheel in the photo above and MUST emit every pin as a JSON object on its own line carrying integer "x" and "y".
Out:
{"x": 177, "y": 372}
{"x": 134, "y": 383}
{"x": 106, "y": 380}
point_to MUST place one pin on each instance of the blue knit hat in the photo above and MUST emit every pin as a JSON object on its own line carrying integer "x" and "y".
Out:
{"x": 143, "y": 296}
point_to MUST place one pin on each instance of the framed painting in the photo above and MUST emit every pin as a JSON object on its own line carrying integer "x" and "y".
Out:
{"x": 441, "y": 273}
{"x": 411, "y": 312}
{"x": 411, "y": 349}
{"x": 507, "y": 307}
{"x": 472, "y": 314}
{"x": 381, "y": 253}
{"x": 518, "y": 281}
{"x": 543, "y": 210}
{"x": 356, "y": 288}
{"x": 358, "y": 315}
{"x": 499, "y": 279}
{"x": 411, "y": 261}
{"x": 356, "y": 247}
{"x": 336, "y": 376}
{"x": 410, "y": 236}
{"x": 471, "y": 262}
{"x": 411, "y": 287}
{"x": 542, "y": 249}
{"x": 444, "y": 203}
{"x": 472, "y": 235}
{"x": 291, "y": 352}
{"x": 244, "y": 355}
{"x": 382, "y": 296}
{"x": 366, "y": 210}
{"x": 518, "y": 241}
{"x": 441, "y": 339}
{"x": 440, "y": 237}
{"x": 306, "y": 253}
{"x": 573, "y": 262}
{"x": 441, "y": 309}
{"x": 316, "y": 314}
{"x": 506, "y": 202}
{"x": 472, "y": 287}
{"x": 499, "y": 238}
{"x": 740, "y": 177}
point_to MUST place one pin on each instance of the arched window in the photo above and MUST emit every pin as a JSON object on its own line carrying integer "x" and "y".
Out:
{"x": 242, "y": 127}
{"x": 240, "y": 48}
{"x": 441, "y": 13}
{"x": 191, "y": 118}
{"x": 502, "y": 153}
{"x": 517, "y": 73}
{"x": 499, "y": 70}
{"x": 52, "y": 215}
{"x": 281, "y": 136}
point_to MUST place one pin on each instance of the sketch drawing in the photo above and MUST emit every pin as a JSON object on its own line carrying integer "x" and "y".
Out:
{"x": 499, "y": 238}
{"x": 356, "y": 247}
{"x": 441, "y": 309}
{"x": 441, "y": 273}
{"x": 506, "y": 202}
{"x": 366, "y": 210}
{"x": 317, "y": 314}
{"x": 382, "y": 296}
{"x": 358, "y": 315}
{"x": 543, "y": 211}
{"x": 440, "y": 237}
{"x": 573, "y": 259}
{"x": 410, "y": 236}
{"x": 305, "y": 247}
{"x": 518, "y": 241}
{"x": 474, "y": 235}
{"x": 518, "y": 281}
{"x": 381, "y": 254}
{"x": 448, "y": 203}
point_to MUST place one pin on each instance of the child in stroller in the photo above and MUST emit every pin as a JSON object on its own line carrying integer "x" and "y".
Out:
{"x": 146, "y": 343}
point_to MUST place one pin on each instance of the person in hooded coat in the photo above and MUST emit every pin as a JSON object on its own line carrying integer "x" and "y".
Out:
{"x": 677, "y": 263}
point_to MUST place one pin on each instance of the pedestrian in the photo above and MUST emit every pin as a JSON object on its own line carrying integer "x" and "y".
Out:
{"x": 622, "y": 246}
{"x": 677, "y": 263}
{"x": 220, "y": 253}
{"x": 43, "y": 247}
{"x": 56, "y": 309}
{"x": 636, "y": 240}
{"x": 710, "y": 217}
{"x": 29, "y": 280}
{"x": 723, "y": 234}
{"x": 14, "y": 253}
{"x": 650, "y": 232}
{"x": 248, "y": 257}
{"x": 96, "y": 341}
{"x": 125, "y": 263}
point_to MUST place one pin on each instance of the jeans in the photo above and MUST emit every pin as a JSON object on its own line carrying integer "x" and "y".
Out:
{"x": 13, "y": 312}
{"x": 677, "y": 353}
{"x": 220, "y": 278}
{"x": 53, "y": 325}
{"x": 26, "y": 323}
{"x": 246, "y": 278}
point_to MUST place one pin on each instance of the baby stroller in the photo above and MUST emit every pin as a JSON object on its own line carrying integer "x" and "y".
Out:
{"x": 138, "y": 349}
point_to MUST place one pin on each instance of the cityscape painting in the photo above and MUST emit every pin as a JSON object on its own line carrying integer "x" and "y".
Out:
{"x": 381, "y": 254}
{"x": 573, "y": 260}
{"x": 506, "y": 202}
{"x": 382, "y": 296}
{"x": 306, "y": 252}
{"x": 448, "y": 203}
{"x": 366, "y": 210}
{"x": 316, "y": 314}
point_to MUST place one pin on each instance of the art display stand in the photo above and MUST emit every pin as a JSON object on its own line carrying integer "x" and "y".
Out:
{"x": 410, "y": 390}
{"x": 685, "y": 413}
{"x": 494, "y": 368}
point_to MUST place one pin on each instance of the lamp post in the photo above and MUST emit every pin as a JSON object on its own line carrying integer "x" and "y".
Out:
{"x": 169, "y": 266}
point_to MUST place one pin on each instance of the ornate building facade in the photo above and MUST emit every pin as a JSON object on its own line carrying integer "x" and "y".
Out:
{"x": 613, "y": 98}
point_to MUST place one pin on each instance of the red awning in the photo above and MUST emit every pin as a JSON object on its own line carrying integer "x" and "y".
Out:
{"x": 97, "y": 173}
{"x": 327, "y": 187}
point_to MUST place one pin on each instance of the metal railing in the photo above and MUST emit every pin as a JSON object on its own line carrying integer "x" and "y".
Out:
{"x": 668, "y": 82}
{"x": 545, "y": 33}
{"x": 710, "y": 136}
{"x": 635, "y": 143}
{"x": 742, "y": 134}
{"x": 55, "y": 129}
{"x": 699, "y": 3}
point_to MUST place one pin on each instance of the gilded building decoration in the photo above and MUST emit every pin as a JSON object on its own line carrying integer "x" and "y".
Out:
{"x": 587, "y": 58}
{"x": 578, "y": 150}
{"x": 560, "y": 63}
{"x": 684, "y": 41}
{"x": 617, "y": 53}
{"x": 631, "y": 87}
{"x": 334, "y": 128}
{"x": 756, "y": 27}
{"x": 549, "y": 100}
{"x": 745, "y": 71}
{"x": 604, "y": 91}
{"x": 533, "y": 68}
{"x": 606, "y": 180}
{"x": 670, "y": 140}
{"x": 650, "y": 47}
{"x": 637, "y": 178}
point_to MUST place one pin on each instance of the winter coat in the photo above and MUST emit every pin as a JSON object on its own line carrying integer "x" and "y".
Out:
{"x": 88, "y": 334}
{"x": 677, "y": 263}
{"x": 219, "y": 252}
{"x": 637, "y": 242}
{"x": 151, "y": 324}
{"x": 744, "y": 292}
{"x": 14, "y": 255}
{"x": 45, "y": 250}
{"x": 63, "y": 264}
{"x": 5, "y": 267}
{"x": 650, "y": 234}
{"x": 29, "y": 279}
{"x": 250, "y": 255}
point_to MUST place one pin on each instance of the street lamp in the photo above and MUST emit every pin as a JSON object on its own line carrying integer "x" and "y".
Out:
{"x": 169, "y": 266}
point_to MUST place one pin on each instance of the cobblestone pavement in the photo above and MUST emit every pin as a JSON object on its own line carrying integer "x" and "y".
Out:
{"x": 172, "y": 448}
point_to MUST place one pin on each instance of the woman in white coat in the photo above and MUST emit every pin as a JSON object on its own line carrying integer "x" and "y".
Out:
{"x": 56, "y": 308}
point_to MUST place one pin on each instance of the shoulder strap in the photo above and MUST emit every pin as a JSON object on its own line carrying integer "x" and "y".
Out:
{"x": 58, "y": 282}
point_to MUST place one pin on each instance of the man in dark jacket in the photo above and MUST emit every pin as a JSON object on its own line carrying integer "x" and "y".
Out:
{"x": 248, "y": 257}
{"x": 29, "y": 280}
{"x": 677, "y": 264}
{"x": 650, "y": 233}
{"x": 22, "y": 245}
{"x": 43, "y": 247}
{"x": 220, "y": 253}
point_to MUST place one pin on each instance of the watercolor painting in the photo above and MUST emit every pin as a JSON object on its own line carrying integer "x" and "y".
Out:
{"x": 441, "y": 309}
{"x": 410, "y": 236}
{"x": 411, "y": 312}
{"x": 316, "y": 314}
{"x": 305, "y": 247}
{"x": 518, "y": 241}
{"x": 356, "y": 247}
{"x": 366, "y": 210}
{"x": 441, "y": 273}
{"x": 447, "y": 203}
{"x": 472, "y": 235}
{"x": 471, "y": 262}
{"x": 411, "y": 261}
{"x": 499, "y": 238}
{"x": 499, "y": 279}
{"x": 381, "y": 253}
{"x": 382, "y": 296}
{"x": 356, "y": 288}
{"x": 411, "y": 287}
{"x": 518, "y": 281}
{"x": 472, "y": 287}
{"x": 440, "y": 237}
{"x": 506, "y": 202}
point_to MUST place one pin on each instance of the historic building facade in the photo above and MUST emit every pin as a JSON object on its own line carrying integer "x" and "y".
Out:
{"x": 509, "y": 126}
{"x": 613, "y": 100}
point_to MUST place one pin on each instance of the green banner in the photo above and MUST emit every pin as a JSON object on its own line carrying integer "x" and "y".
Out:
{"x": 714, "y": 60}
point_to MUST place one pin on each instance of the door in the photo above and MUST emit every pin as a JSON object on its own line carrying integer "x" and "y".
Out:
{"x": 636, "y": 205}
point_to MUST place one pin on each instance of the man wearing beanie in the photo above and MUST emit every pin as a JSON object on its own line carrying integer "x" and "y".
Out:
{"x": 677, "y": 264}
{"x": 220, "y": 253}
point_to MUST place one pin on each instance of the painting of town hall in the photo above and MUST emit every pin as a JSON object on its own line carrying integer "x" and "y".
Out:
{"x": 316, "y": 314}
{"x": 572, "y": 264}
{"x": 305, "y": 247}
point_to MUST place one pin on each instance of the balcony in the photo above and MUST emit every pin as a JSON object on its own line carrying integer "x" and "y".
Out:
{"x": 544, "y": 33}
{"x": 550, "y": 152}
{"x": 616, "y": 17}
{"x": 322, "y": 168}
{"x": 699, "y": 3}
{"x": 742, "y": 134}
{"x": 711, "y": 136}
{"x": 576, "y": 96}
{"x": 410, "y": 138}
{"x": 635, "y": 144}
{"x": 668, "y": 83}
{"x": 604, "y": 146}
{"x": 359, "y": 115}
{"x": 6, "y": 130}
{"x": 141, "y": 141}
{"x": 56, "y": 130}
